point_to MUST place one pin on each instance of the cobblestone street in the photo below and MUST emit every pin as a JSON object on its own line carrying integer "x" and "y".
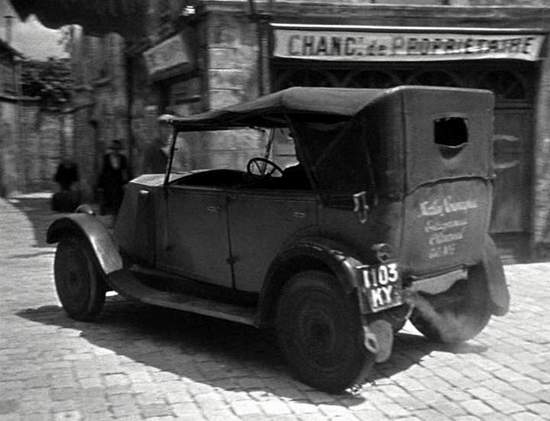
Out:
{"x": 139, "y": 362}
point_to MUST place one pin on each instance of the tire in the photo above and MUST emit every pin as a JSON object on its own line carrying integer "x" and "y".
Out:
{"x": 78, "y": 279}
{"x": 320, "y": 333}
{"x": 457, "y": 314}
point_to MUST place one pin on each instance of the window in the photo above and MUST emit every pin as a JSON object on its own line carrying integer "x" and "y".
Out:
{"x": 505, "y": 85}
{"x": 451, "y": 135}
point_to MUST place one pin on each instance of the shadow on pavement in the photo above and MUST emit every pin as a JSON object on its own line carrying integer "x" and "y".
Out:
{"x": 409, "y": 349}
{"x": 215, "y": 352}
{"x": 37, "y": 210}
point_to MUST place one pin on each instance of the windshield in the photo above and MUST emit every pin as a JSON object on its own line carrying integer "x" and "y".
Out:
{"x": 283, "y": 150}
{"x": 231, "y": 149}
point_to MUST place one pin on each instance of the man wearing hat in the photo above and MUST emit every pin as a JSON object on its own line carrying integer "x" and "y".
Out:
{"x": 114, "y": 175}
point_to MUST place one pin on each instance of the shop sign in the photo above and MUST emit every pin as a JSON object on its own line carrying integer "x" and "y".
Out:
{"x": 310, "y": 43}
{"x": 166, "y": 55}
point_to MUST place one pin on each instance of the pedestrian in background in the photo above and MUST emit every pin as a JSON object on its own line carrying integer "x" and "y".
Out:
{"x": 66, "y": 175}
{"x": 155, "y": 157}
{"x": 114, "y": 175}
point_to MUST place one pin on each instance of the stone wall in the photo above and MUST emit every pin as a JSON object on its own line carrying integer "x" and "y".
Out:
{"x": 541, "y": 206}
{"x": 9, "y": 180}
{"x": 100, "y": 103}
{"x": 226, "y": 73}
{"x": 233, "y": 77}
{"x": 33, "y": 141}
{"x": 46, "y": 138}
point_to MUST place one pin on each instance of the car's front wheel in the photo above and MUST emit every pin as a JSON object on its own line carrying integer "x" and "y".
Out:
{"x": 78, "y": 279}
{"x": 320, "y": 333}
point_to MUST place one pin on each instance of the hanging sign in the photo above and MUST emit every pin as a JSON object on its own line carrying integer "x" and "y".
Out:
{"x": 334, "y": 44}
{"x": 167, "y": 55}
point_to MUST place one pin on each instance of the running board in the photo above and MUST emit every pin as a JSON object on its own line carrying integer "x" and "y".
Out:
{"x": 127, "y": 284}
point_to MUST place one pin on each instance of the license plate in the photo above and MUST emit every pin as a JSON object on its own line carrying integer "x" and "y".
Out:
{"x": 382, "y": 286}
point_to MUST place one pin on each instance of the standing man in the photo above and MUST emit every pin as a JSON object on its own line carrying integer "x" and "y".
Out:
{"x": 114, "y": 175}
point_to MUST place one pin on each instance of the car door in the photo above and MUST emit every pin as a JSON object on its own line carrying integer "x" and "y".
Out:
{"x": 260, "y": 221}
{"x": 194, "y": 242}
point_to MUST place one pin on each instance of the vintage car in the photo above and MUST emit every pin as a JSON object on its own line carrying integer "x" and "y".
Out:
{"x": 385, "y": 219}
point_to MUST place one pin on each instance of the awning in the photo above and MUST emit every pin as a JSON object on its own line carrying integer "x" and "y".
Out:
{"x": 97, "y": 17}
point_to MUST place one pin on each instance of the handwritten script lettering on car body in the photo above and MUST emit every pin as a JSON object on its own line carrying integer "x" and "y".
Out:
{"x": 445, "y": 206}
{"x": 445, "y": 233}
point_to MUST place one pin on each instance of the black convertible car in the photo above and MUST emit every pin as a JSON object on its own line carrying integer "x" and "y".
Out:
{"x": 384, "y": 218}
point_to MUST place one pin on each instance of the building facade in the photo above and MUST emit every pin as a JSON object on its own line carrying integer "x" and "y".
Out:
{"x": 191, "y": 56}
{"x": 99, "y": 106}
{"x": 33, "y": 138}
{"x": 9, "y": 118}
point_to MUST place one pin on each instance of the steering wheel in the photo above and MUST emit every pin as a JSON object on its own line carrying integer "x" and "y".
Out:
{"x": 262, "y": 167}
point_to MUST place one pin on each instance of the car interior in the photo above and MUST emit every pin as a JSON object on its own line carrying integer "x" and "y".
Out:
{"x": 260, "y": 172}
{"x": 292, "y": 178}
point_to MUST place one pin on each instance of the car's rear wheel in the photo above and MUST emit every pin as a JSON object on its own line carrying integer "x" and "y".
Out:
{"x": 320, "y": 333}
{"x": 78, "y": 279}
{"x": 457, "y": 314}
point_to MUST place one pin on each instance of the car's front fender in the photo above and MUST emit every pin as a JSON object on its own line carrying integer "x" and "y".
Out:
{"x": 307, "y": 254}
{"x": 99, "y": 239}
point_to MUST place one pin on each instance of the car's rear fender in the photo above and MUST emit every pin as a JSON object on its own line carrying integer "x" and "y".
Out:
{"x": 306, "y": 254}
{"x": 492, "y": 270}
{"x": 95, "y": 233}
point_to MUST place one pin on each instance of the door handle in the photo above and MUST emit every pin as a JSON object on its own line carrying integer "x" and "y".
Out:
{"x": 360, "y": 206}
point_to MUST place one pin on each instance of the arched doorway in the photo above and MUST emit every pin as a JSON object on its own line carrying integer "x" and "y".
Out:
{"x": 513, "y": 125}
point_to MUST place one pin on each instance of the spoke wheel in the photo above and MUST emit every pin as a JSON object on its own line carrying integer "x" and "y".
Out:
{"x": 320, "y": 334}
{"x": 263, "y": 167}
{"x": 455, "y": 315}
{"x": 78, "y": 280}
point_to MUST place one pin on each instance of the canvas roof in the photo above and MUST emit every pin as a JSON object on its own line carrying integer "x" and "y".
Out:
{"x": 318, "y": 104}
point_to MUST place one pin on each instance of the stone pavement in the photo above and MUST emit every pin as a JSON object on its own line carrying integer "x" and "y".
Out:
{"x": 139, "y": 362}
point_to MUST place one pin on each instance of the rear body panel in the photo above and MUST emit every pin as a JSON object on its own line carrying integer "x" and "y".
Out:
{"x": 448, "y": 188}
{"x": 444, "y": 226}
{"x": 439, "y": 180}
{"x": 426, "y": 160}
